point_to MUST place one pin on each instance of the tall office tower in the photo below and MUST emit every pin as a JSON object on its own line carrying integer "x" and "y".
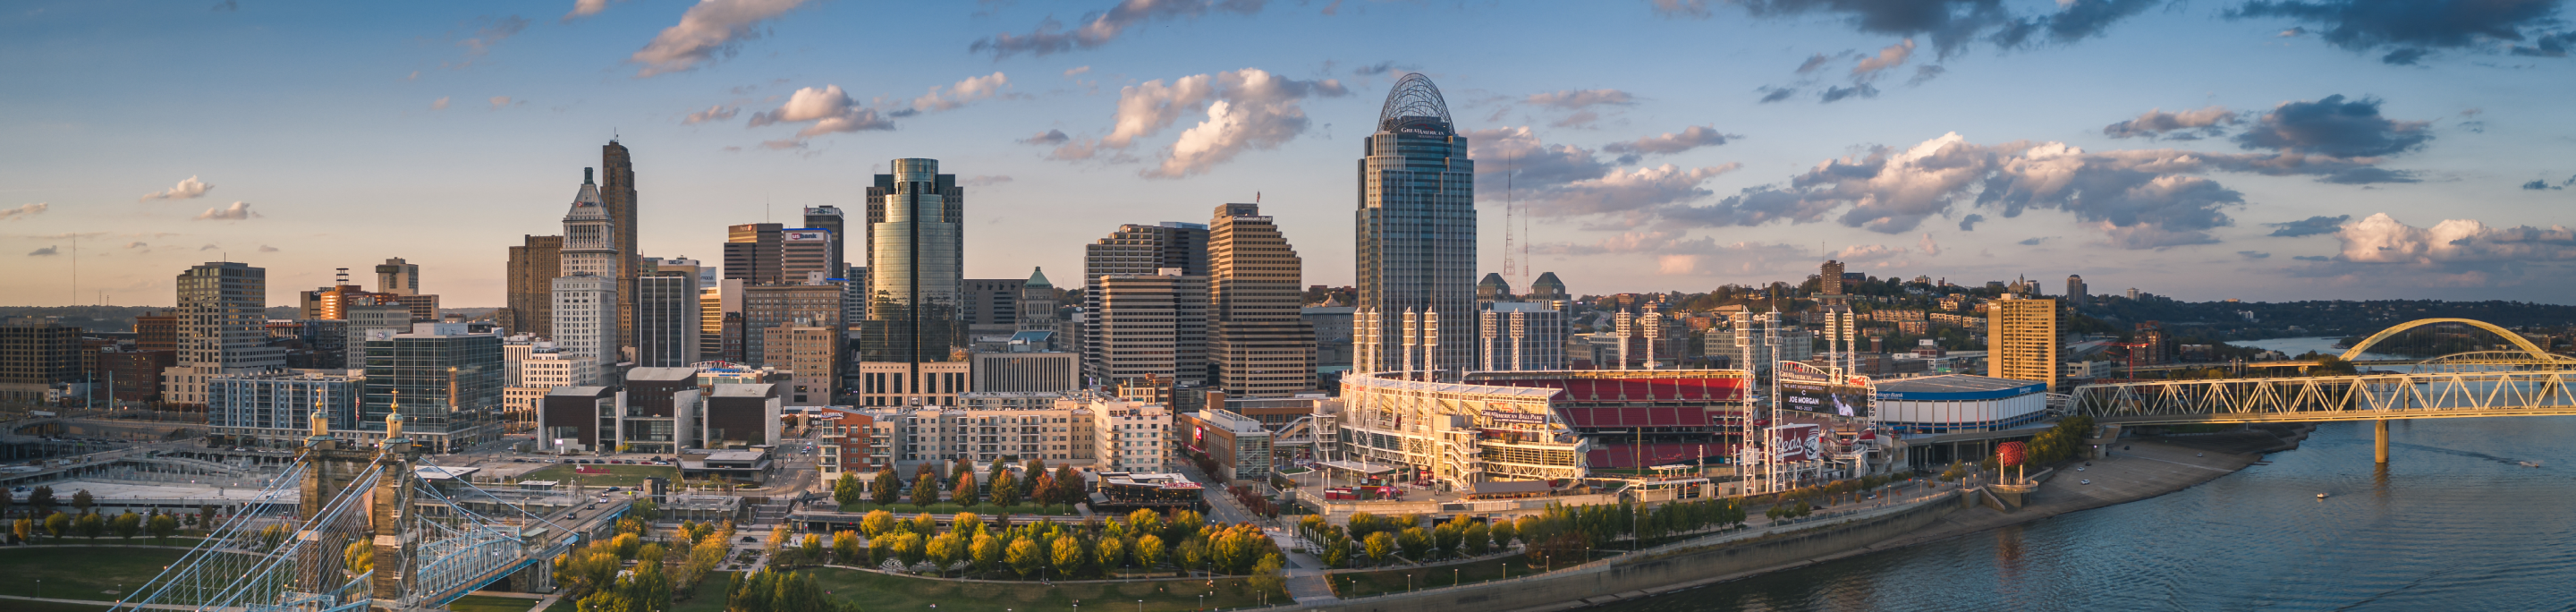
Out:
{"x": 330, "y": 303}
{"x": 617, "y": 194}
{"x": 446, "y": 382}
{"x": 398, "y": 277}
{"x": 1150, "y": 325}
{"x": 720, "y": 311}
{"x": 2076, "y": 295}
{"x": 768, "y": 306}
{"x": 1516, "y": 336}
{"x": 2021, "y": 339}
{"x": 916, "y": 263}
{"x": 530, "y": 280}
{"x": 372, "y": 322}
{"x": 830, "y": 218}
{"x": 805, "y": 255}
{"x": 1416, "y": 248}
{"x": 666, "y": 320}
{"x": 811, "y": 355}
{"x": 1257, "y": 339}
{"x": 991, "y": 302}
{"x": 752, "y": 253}
{"x": 1829, "y": 280}
{"x": 1037, "y": 305}
{"x": 223, "y": 329}
{"x": 35, "y": 355}
{"x": 694, "y": 269}
{"x": 1133, "y": 250}
{"x": 586, "y": 293}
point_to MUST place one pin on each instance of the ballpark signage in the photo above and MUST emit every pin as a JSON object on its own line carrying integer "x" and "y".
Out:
{"x": 1825, "y": 397}
{"x": 805, "y": 235}
{"x": 1517, "y": 417}
{"x": 1797, "y": 443}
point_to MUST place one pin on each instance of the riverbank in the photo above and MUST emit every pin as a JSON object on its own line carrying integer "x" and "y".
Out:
{"x": 2138, "y": 469}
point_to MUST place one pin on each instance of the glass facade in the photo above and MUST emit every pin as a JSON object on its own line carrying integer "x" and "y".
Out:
{"x": 1416, "y": 230}
{"x": 916, "y": 265}
{"x": 449, "y": 386}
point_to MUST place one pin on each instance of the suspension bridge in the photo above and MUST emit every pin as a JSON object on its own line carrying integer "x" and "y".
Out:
{"x": 2525, "y": 381}
{"x": 369, "y": 534}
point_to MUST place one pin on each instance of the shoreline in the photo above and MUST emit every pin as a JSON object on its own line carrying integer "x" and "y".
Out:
{"x": 2151, "y": 468}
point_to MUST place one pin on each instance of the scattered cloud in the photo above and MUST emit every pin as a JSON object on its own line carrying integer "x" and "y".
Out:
{"x": 49, "y": 251}
{"x": 138, "y": 244}
{"x": 1076, "y": 71}
{"x": 438, "y": 104}
{"x": 1927, "y": 246}
{"x": 1374, "y": 69}
{"x": 953, "y": 96}
{"x": 2035, "y": 241}
{"x": 499, "y": 102}
{"x": 712, "y": 113}
{"x": 188, "y": 188}
{"x": 2293, "y": 32}
{"x": 487, "y": 32}
{"x": 1814, "y": 63}
{"x": 2380, "y": 238}
{"x": 985, "y": 180}
{"x": 1969, "y": 223}
{"x": 1669, "y": 143}
{"x": 2254, "y": 254}
{"x": 2312, "y": 258}
{"x": 24, "y": 211}
{"x": 1624, "y": 191}
{"x": 2185, "y": 125}
{"x": 2310, "y": 226}
{"x": 586, "y": 8}
{"x": 2553, "y": 45}
{"x": 267, "y": 249}
{"x": 712, "y": 29}
{"x": 1859, "y": 90}
{"x": 1049, "y": 137}
{"x": 1248, "y": 109}
{"x": 1775, "y": 94}
{"x": 1890, "y": 57}
{"x": 227, "y": 6}
{"x": 1578, "y": 99}
{"x": 2411, "y": 31}
{"x": 208, "y": 247}
{"x": 1950, "y": 25}
{"x": 830, "y": 110}
{"x": 1102, "y": 27}
{"x": 2335, "y": 127}
{"x": 1674, "y": 253}
{"x": 1925, "y": 74}
{"x": 2538, "y": 185}
{"x": 238, "y": 211}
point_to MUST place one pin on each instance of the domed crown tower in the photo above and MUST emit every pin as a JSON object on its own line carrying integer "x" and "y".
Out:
{"x": 1416, "y": 238}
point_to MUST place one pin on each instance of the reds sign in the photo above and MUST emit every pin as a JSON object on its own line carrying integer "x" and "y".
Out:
{"x": 1796, "y": 443}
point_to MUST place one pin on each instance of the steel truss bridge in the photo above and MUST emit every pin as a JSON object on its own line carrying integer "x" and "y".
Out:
{"x": 2524, "y": 382}
{"x": 370, "y": 536}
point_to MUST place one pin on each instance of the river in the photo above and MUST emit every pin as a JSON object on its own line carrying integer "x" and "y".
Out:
{"x": 2453, "y": 523}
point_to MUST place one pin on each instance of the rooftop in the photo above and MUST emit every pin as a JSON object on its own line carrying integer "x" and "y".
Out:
{"x": 752, "y": 390}
{"x": 1953, "y": 383}
{"x": 662, "y": 374}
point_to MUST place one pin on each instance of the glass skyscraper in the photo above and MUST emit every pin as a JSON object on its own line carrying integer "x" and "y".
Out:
{"x": 1416, "y": 239}
{"x": 916, "y": 265}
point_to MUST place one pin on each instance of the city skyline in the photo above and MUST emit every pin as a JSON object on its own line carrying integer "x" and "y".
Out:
{"x": 2246, "y": 150}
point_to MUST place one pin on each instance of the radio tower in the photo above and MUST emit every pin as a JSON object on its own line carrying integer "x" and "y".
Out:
{"x": 1510, "y": 266}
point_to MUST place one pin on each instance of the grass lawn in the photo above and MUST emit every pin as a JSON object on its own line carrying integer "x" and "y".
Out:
{"x": 710, "y": 595}
{"x": 1363, "y": 584}
{"x": 47, "y": 606}
{"x": 949, "y": 508}
{"x": 487, "y": 603}
{"x": 563, "y": 605}
{"x": 617, "y": 476}
{"x": 80, "y": 572}
{"x": 882, "y": 592}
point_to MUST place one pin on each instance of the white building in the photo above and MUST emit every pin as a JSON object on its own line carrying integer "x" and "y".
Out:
{"x": 1131, "y": 436}
{"x": 585, "y": 296}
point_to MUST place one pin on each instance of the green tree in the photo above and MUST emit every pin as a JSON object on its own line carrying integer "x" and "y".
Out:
{"x": 845, "y": 548}
{"x": 1380, "y": 545}
{"x": 1193, "y": 554}
{"x": 845, "y": 490}
{"x": 1066, "y": 554}
{"x": 945, "y": 550}
{"x": 645, "y": 510}
{"x": 886, "y": 487}
{"x": 42, "y": 499}
{"x": 1478, "y": 538}
{"x": 126, "y": 525}
{"x": 1269, "y": 575}
{"x": 1337, "y": 552}
{"x": 625, "y": 545}
{"x": 1023, "y": 556}
{"x": 161, "y": 527}
{"x": 1150, "y": 551}
{"x": 1445, "y": 539}
{"x": 82, "y": 501}
{"x": 876, "y": 522}
{"x": 1415, "y": 541}
{"x": 1111, "y": 552}
{"x": 986, "y": 552}
{"x": 910, "y": 548}
{"x": 925, "y": 491}
{"x": 1503, "y": 533}
{"x": 1006, "y": 489}
{"x": 90, "y": 525}
{"x": 359, "y": 557}
{"x": 964, "y": 492}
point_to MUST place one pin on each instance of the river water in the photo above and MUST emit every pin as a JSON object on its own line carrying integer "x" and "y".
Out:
{"x": 2453, "y": 523}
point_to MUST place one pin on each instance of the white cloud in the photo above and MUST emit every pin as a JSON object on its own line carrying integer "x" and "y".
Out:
{"x": 710, "y": 29}
{"x": 969, "y": 90}
{"x": 1628, "y": 190}
{"x": 1101, "y": 27}
{"x": 187, "y": 188}
{"x": 1928, "y": 247}
{"x": 500, "y": 101}
{"x": 438, "y": 104}
{"x": 489, "y": 32}
{"x": 2186, "y": 125}
{"x": 585, "y": 8}
{"x": 238, "y": 211}
{"x": 23, "y": 212}
{"x": 829, "y": 108}
{"x": 2381, "y": 238}
{"x": 1673, "y": 253}
{"x": 1890, "y": 57}
{"x": 1071, "y": 72}
{"x": 713, "y": 113}
{"x": 1669, "y": 143}
{"x": 1248, "y": 109}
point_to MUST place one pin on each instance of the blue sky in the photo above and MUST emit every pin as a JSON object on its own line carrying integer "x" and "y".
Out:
{"x": 2197, "y": 150}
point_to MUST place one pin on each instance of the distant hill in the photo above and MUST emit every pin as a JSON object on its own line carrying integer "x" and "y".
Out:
{"x": 121, "y": 318}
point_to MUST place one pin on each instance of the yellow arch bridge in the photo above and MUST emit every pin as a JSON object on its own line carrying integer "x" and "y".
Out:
{"x": 2525, "y": 382}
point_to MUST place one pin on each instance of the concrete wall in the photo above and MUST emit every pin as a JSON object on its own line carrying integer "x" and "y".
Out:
{"x": 1656, "y": 572}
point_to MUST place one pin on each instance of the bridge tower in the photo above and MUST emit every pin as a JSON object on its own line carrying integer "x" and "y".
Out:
{"x": 335, "y": 466}
{"x": 2381, "y": 426}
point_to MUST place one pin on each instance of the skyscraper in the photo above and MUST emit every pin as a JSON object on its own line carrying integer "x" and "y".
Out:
{"x": 1134, "y": 249}
{"x": 916, "y": 262}
{"x": 1257, "y": 339}
{"x": 2021, "y": 339}
{"x": 805, "y": 255}
{"x": 446, "y": 382}
{"x": 617, "y": 194}
{"x": 398, "y": 277}
{"x": 530, "y": 280}
{"x": 1150, "y": 325}
{"x": 2076, "y": 293}
{"x": 223, "y": 329}
{"x": 752, "y": 252}
{"x": 1416, "y": 238}
{"x": 666, "y": 320}
{"x": 586, "y": 294}
{"x": 830, "y": 218}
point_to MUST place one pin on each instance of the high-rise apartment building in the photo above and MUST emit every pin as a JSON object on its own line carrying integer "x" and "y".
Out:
{"x": 764, "y": 307}
{"x": 1514, "y": 336}
{"x": 446, "y": 383}
{"x": 666, "y": 320}
{"x": 1149, "y": 325}
{"x": 1416, "y": 239}
{"x": 1829, "y": 278}
{"x": 158, "y": 331}
{"x": 35, "y": 355}
{"x": 530, "y": 281}
{"x": 805, "y": 255}
{"x": 1257, "y": 340}
{"x": 275, "y": 409}
{"x": 811, "y": 354}
{"x": 398, "y": 277}
{"x": 830, "y": 218}
{"x": 752, "y": 253}
{"x": 916, "y": 265}
{"x": 2021, "y": 339}
{"x": 223, "y": 329}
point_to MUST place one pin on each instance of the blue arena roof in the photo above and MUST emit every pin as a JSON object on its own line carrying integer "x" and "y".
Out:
{"x": 1956, "y": 387}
